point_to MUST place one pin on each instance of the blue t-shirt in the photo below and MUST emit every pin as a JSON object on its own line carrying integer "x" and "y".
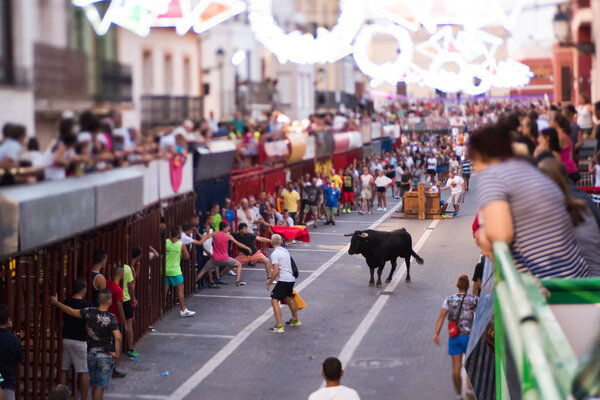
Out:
{"x": 331, "y": 197}
{"x": 230, "y": 215}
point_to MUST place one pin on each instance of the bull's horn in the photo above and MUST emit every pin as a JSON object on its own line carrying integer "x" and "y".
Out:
{"x": 349, "y": 234}
{"x": 364, "y": 235}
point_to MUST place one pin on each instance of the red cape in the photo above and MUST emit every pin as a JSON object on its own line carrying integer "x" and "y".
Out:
{"x": 297, "y": 232}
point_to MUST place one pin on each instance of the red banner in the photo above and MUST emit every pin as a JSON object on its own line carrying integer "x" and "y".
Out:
{"x": 298, "y": 232}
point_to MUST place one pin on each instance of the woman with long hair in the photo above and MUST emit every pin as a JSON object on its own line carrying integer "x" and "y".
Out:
{"x": 563, "y": 127}
{"x": 548, "y": 142}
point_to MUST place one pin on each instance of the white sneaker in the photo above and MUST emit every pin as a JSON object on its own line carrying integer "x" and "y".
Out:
{"x": 187, "y": 313}
{"x": 379, "y": 208}
{"x": 294, "y": 241}
{"x": 232, "y": 273}
{"x": 384, "y": 209}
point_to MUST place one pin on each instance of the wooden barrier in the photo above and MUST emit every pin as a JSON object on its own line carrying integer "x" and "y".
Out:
{"x": 421, "y": 204}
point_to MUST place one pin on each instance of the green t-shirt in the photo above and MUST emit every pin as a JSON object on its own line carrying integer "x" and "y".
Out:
{"x": 127, "y": 278}
{"x": 172, "y": 258}
{"x": 217, "y": 219}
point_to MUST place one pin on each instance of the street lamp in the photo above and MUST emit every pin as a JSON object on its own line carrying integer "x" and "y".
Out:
{"x": 562, "y": 26}
{"x": 220, "y": 64}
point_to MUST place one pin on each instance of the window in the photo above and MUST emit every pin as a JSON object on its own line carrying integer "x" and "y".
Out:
{"x": 168, "y": 74}
{"x": 565, "y": 82}
{"x": 5, "y": 42}
{"x": 187, "y": 76}
{"x": 147, "y": 71}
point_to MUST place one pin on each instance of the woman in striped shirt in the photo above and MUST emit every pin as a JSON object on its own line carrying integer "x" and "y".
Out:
{"x": 521, "y": 206}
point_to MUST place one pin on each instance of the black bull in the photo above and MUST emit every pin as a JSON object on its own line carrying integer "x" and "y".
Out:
{"x": 378, "y": 247}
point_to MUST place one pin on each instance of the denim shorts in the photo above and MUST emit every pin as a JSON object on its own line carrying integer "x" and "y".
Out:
{"x": 100, "y": 366}
{"x": 457, "y": 345}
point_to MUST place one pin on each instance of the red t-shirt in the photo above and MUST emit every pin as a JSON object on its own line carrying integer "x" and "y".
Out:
{"x": 117, "y": 295}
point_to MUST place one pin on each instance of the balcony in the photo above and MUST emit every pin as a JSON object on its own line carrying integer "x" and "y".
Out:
{"x": 251, "y": 96}
{"x": 331, "y": 101}
{"x": 114, "y": 82}
{"x": 170, "y": 110}
{"x": 60, "y": 73}
{"x": 14, "y": 77}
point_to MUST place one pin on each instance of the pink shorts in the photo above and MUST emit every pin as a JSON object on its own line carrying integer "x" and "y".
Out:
{"x": 256, "y": 257}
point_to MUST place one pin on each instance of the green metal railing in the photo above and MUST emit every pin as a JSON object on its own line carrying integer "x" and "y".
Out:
{"x": 542, "y": 358}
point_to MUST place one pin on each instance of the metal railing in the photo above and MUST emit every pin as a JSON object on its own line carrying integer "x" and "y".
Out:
{"x": 170, "y": 110}
{"x": 60, "y": 73}
{"x": 114, "y": 82}
{"x": 527, "y": 330}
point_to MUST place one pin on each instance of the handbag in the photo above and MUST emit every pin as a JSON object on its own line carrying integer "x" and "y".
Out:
{"x": 294, "y": 268}
{"x": 452, "y": 325}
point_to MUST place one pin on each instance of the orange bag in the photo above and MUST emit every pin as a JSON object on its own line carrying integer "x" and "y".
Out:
{"x": 300, "y": 304}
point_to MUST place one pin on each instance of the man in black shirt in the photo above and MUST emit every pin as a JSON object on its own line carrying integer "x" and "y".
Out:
{"x": 313, "y": 195}
{"x": 74, "y": 350}
{"x": 256, "y": 256}
{"x": 11, "y": 354}
{"x": 103, "y": 340}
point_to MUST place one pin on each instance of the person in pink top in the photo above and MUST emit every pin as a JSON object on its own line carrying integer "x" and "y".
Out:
{"x": 563, "y": 126}
{"x": 220, "y": 242}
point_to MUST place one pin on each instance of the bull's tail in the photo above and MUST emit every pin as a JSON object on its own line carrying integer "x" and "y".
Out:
{"x": 416, "y": 256}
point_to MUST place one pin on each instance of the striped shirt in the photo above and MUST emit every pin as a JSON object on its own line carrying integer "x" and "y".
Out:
{"x": 544, "y": 237}
{"x": 466, "y": 167}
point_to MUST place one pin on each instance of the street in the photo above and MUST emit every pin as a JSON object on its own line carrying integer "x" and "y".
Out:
{"x": 382, "y": 335}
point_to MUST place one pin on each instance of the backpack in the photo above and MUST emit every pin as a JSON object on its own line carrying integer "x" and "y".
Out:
{"x": 294, "y": 268}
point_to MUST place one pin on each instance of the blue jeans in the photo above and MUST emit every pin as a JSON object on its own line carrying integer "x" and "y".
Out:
{"x": 100, "y": 366}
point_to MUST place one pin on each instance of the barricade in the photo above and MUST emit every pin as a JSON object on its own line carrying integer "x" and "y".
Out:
{"x": 28, "y": 279}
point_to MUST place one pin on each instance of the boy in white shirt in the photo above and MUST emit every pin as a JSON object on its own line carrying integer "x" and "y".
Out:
{"x": 333, "y": 390}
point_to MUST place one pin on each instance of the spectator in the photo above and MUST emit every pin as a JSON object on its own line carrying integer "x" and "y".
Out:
{"x": 311, "y": 204}
{"x": 245, "y": 214}
{"x": 129, "y": 298}
{"x": 587, "y": 232}
{"x": 332, "y": 196}
{"x": 173, "y": 275}
{"x": 548, "y": 142}
{"x": 103, "y": 340}
{"x": 522, "y": 218}
{"x": 62, "y": 158}
{"x": 12, "y": 146}
{"x": 348, "y": 191}
{"x": 74, "y": 345}
{"x": 116, "y": 307}
{"x": 253, "y": 256}
{"x": 382, "y": 182}
{"x": 572, "y": 129}
{"x": 460, "y": 308}
{"x": 228, "y": 212}
{"x": 99, "y": 259}
{"x": 291, "y": 200}
{"x": 284, "y": 289}
{"x": 61, "y": 392}
{"x": 466, "y": 172}
{"x": 284, "y": 219}
{"x": 332, "y": 373}
{"x": 562, "y": 125}
{"x": 366, "y": 192}
{"x": 217, "y": 218}
{"x": 11, "y": 354}
{"x": 255, "y": 212}
{"x": 336, "y": 179}
{"x": 33, "y": 157}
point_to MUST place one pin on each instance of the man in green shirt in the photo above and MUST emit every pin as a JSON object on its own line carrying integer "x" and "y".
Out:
{"x": 173, "y": 276}
{"x": 215, "y": 211}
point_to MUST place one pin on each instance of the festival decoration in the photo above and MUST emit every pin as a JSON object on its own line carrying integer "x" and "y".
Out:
{"x": 462, "y": 54}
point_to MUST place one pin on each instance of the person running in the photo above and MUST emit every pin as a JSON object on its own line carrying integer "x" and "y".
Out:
{"x": 347, "y": 191}
{"x": 332, "y": 196}
{"x": 311, "y": 204}
{"x": 129, "y": 299}
{"x": 173, "y": 276}
{"x": 74, "y": 345}
{"x": 220, "y": 257}
{"x": 460, "y": 308}
{"x": 103, "y": 340}
{"x": 382, "y": 182}
{"x": 284, "y": 289}
{"x": 98, "y": 280}
{"x": 366, "y": 193}
{"x": 332, "y": 373}
{"x": 456, "y": 184}
{"x": 466, "y": 172}
{"x": 254, "y": 256}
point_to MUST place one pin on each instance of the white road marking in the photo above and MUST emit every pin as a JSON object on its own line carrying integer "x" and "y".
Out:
{"x": 362, "y": 329}
{"x": 200, "y": 375}
{"x": 313, "y": 250}
{"x": 199, "y": 335}
{"x": 233, "y": 297}
{"x": 134, "y": 396}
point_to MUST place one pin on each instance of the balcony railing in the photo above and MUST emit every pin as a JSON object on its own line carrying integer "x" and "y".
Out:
{"x": 254, "y": 95}
{"x": 114, "y": 82}
{"x": 17, "y": 77}
{"x": 60, "y": 73}
{"x": 170, "y": 110}
{"x": 329, "y": 101}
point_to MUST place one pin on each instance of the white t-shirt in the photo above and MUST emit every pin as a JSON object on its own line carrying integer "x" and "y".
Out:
{"x": 335, "y": 393}
{"x": 432, "y": 163}
{"x": 458, "y": 188}
{"x": 399, "y": 171}
{"x": 410, "y": 163}
{"x": 365, "y": 181}
{"x": 382, "y": 181}
{"x": 10, "y": 148}
{"x": 453, "y": 165}
{"x": 281, "y": 257}
{"x": 36, "y": 158}
{"x": 185, "y": 239}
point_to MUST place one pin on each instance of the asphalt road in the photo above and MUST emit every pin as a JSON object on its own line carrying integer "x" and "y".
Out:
{"x": 382, "y": 335}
